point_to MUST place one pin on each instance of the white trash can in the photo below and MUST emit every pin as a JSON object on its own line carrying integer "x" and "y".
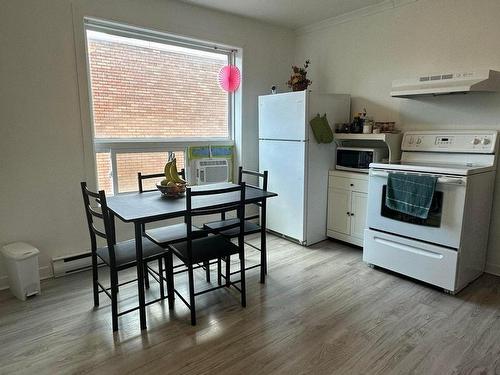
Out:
{"x": 22, "y": 269}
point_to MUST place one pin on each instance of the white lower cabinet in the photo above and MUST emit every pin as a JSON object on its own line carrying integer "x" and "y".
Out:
{"x": 358, "y": 214}
{"x": 347, "y": 201}
{"x": 339, "y": 208}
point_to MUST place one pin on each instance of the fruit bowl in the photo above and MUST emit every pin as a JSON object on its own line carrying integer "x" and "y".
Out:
{"x": 173, "y": 191}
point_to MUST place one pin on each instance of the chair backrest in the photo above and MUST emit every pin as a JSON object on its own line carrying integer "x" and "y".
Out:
{"x": 141, "y": 177}
{"x": 216, "y": 201}
{"x": 241, "y": 173}
{"x": 96, "y": 209}
{"x": 264, "y": 175}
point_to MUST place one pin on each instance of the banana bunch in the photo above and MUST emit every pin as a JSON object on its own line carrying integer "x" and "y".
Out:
{"x": 172, "y": 178}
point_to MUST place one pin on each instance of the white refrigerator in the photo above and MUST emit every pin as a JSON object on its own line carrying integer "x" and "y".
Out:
{"x": 298, "y": 166}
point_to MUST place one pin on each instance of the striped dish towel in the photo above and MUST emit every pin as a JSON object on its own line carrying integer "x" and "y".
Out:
{"x": 410, "y": 194}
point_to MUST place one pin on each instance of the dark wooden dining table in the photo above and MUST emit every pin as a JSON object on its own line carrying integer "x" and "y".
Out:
{"x": 148, "y": 207}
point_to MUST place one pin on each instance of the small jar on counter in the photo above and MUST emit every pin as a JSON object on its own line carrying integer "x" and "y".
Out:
{"x": 368, "y": 127}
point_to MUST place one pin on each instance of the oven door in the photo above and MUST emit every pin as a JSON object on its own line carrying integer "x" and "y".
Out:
{"x": 442, "y": 227}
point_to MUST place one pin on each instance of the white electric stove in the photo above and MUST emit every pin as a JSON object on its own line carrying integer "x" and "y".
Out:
{"x": 448, "y": 249}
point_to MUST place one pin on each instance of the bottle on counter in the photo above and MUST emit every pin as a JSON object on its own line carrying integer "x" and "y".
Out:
{"x": 368, "y": 127}
{"x": 358, "y": 122}
{"x": 357, "y": 125}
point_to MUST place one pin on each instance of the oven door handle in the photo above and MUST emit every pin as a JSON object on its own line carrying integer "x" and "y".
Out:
{"x": 452, "y": 180}
{"x": 441, "y": 179}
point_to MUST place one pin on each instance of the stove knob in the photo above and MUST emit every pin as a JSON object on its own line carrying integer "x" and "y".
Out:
{"x": 475, "y": 141}
{"x": 485, "y": 141}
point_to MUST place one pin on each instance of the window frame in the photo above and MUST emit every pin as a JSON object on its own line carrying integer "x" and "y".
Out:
{"x": 147, "y": 146}
{"x": 114, "y": 146}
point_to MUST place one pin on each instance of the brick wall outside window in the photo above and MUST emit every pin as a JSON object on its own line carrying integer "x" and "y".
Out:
{"x": 142, "y": 92}
{"x": 146, "y": 163}
{"x": 103, "y": 163}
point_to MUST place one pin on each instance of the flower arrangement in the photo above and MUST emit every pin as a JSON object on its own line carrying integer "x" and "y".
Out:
{"x": 299, "y": 81}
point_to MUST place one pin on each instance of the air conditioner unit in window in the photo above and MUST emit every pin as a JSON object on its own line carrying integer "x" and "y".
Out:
{"x": 209, "y": 171}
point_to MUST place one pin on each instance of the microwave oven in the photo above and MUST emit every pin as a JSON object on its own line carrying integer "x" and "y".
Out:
{"x": 358, "y": 159}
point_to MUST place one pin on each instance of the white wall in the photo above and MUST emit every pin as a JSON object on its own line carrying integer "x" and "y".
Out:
{"x": 362, "y": 57}
{"x": 41, "y": 140}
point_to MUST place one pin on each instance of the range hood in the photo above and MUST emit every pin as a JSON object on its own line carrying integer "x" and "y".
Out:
{"x": 447, "y": 83}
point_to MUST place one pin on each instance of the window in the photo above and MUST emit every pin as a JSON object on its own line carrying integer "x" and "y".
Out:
{"x": 151, "y": 95}
{"x": 147, "y": 163}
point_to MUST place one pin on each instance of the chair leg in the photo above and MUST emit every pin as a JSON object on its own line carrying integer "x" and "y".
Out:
{"x": 117, "y": 282}
{"x": 169, "y": 270}
{"x": 95, "y": 278}
{"x": 146, "y": 275}
{"x": 228, "y": 270}
{"x": 191, "y": 295}
{"x": 219, "y": 271}
{"x": 160, "y": 272}
{"x": 114, "y": 299}
{"x": 263, "y": 257}
{"x": 207, "y": 270}
{"x": 243, "y": 283}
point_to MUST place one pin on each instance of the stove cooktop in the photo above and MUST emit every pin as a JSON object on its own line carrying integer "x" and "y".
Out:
{"x": 437, "y": 168}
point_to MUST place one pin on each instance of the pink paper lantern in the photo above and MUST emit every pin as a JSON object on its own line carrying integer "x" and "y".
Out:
{"x": 229, "y": 78}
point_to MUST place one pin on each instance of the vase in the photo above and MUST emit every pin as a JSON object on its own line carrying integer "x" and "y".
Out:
{"x": 300, "y": 86}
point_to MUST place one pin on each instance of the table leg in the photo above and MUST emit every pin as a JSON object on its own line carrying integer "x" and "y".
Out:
{"x": 263, "y": 244}
{"x": 140, "y": 274}
{"x": 228, "y": 270}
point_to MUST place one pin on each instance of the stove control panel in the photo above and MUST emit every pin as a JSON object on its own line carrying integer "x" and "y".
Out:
{"x": 481, "y": 142}
{"x": 441, "y": 140}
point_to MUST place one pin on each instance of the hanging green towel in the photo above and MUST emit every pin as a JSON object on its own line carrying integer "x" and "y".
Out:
{"x": 321, "y": 129}
{"x": 410, "y": 194}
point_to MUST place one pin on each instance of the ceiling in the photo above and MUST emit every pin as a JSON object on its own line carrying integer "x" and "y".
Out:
{"x": 288, "y": 13}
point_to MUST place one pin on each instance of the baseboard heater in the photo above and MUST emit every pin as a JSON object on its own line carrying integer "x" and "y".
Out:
{"x": 66, "y": 265}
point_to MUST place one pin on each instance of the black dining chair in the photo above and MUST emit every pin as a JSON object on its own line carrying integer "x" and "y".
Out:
{"x": 250, "y": 226}
{"x": 197, "y": 250}
{"x": 120, "y": 256}
{"x": 140, "y": 178}
{"x": 169, "y": 234}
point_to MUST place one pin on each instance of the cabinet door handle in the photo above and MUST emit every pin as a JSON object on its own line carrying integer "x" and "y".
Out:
{"x": 352, "y": 214}
{"x": 352, "y": 184}
{"x": 348, "y": 214}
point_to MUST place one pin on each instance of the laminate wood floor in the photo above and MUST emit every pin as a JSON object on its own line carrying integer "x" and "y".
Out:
{"x": 322, "y": 311}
